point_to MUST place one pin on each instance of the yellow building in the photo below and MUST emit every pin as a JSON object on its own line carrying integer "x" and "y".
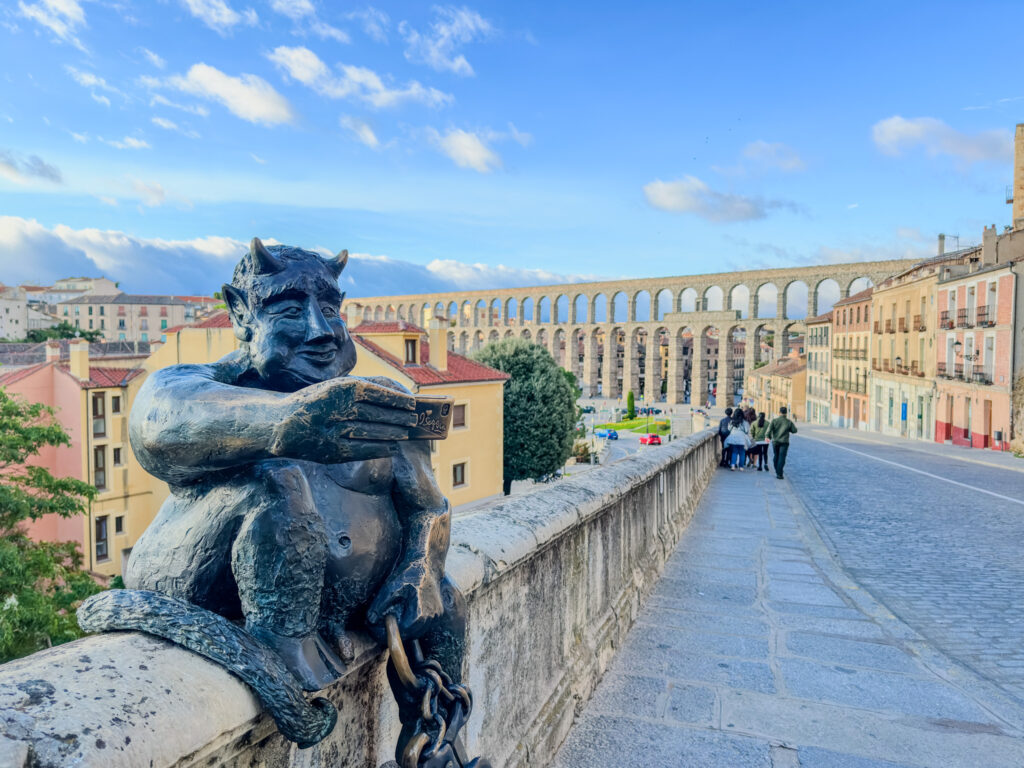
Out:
{"x": 779, "y": 384}
{"x": 469, "y": 464}
{"x": 901, "y": 392}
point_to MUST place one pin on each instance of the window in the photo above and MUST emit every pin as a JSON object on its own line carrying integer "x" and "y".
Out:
{"x": 99, "y": 467}
{"x": 103, "y": 322}
{"x": 102, "y": 551}
{"x": 145, "y": 337}
{"x": 115, "y": 404}
{"x": 163, "y": 311}
{"x": 143, "y": 311}
{"x": 163, "y": 325}
{"x": 99, "y": 421}
{"x": 144, "y": 325}
{"x": 117, "y": 457}
{"x": 459, "y": 416}
{"x": 410, "y": 351}
{"x": 120, "y": 337}
{"x": 90, "y": 321}
{"x": 102, "y": 310}
{"x": 120, "y": 325}
{"x": 90, "y": 310}
{"x": 119, "y": 524}
{"x": 78, "y": 311}
{"x": 65, "y": 311}
{"x": 459, "y": 474}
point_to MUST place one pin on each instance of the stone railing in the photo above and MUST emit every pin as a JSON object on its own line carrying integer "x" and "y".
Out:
{"x": 553, "y": 579}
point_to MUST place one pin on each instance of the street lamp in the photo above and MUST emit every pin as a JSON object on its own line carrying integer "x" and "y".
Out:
{"x": 899, "y": 364}
{"x": 958, "y": 347}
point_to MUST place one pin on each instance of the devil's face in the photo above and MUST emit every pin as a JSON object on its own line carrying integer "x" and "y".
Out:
{"x": 298, "y": 336}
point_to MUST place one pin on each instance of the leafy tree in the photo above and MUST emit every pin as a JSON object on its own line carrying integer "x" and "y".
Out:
{"x": 630, "y": 406}
{"x": 577, "y": 391}
{"x": 41, "y": 583}
{"x": 63, "y": 330}
{"x": 540, "y": 409}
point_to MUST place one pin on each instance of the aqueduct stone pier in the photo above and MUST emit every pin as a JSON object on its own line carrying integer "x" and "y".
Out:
{"x": 666, "y": 333}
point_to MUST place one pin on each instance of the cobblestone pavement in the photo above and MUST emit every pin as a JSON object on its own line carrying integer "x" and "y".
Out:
{"x": 761, "y": 647}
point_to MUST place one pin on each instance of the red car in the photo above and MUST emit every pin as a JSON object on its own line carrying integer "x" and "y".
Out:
{"x": 650, "y": 440}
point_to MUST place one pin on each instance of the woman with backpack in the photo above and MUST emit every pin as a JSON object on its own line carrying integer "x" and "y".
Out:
{"x": 738, "y": 440}
{"x": 759, "y": 434}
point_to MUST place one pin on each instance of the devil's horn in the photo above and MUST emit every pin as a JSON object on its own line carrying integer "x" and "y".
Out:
{"x": 337, "y": 263}
{"x": 263, "y": 262}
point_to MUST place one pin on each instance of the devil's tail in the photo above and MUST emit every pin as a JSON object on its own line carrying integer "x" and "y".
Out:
{"x": 222, "y": 642}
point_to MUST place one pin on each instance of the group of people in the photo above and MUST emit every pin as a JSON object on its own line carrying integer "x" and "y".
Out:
{"x": 746, "y": 435}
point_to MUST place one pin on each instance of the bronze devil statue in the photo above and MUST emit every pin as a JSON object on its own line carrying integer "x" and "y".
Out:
{"x": 302, "y": 507}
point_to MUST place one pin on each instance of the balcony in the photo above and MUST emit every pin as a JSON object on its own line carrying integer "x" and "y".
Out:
{"x": 984, "y": 320}
{"x": 903, "y": 325}
{"x": 874, "y": 364}
{"x": 963, "y": 319}
{"x": 886, "y": 365}
{"x": 945, "y": 321}
{"x": 981, "y": 377}
{"x": 919, "y": 323}
{"x": 878, "y": 327}
{"x": 940, "y": 370}
{"x": 958, "y": 371}
{"x": 889, "y": 327}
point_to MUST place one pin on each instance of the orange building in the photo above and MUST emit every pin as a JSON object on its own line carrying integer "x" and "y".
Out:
{"x": 851, "y": 340}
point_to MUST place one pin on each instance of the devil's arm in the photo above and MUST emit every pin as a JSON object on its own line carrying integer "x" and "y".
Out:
{"x": 186, "y": 423}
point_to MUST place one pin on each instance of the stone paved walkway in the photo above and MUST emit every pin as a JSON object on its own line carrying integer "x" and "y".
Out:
{"x": 757, "y": 649}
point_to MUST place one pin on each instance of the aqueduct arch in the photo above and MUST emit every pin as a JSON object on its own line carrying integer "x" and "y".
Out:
{"x": 592, "y": 330}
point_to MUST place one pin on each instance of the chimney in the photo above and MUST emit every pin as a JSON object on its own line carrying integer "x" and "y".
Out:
{"x": 80, "y": 359}
{"x": 52, "y": 351}
{"x": 942, "y": 244}
{"x": 439, "y": 343}
{"x": 989, "y": 242}
{"x": 1018, "y": 177}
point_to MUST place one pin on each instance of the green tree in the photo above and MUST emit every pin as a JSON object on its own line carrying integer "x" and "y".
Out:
{"x": 63, "y": 330}
{"x": 577, "y": 391}
{"x": 540, "y": 409}
{"x": 630, "y": 406}
{"x": 41, "y": 583}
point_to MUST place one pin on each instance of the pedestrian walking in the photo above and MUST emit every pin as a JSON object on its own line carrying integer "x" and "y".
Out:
{"x": 758, "y": 433}
{"x": 723, "y": 432}
{"x": 750, "y": 415}
{"x": 778, "y": 433}
{"x": 738, "y": 440}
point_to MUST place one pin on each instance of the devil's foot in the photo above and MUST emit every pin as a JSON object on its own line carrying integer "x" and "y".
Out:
{"x": 309, "y": 658}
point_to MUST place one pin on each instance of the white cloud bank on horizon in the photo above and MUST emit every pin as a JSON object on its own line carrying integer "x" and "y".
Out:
{"x": 895, "y": 135}
{"x": 33, "y": 253}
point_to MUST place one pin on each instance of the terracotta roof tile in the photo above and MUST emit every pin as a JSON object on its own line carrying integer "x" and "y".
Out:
{"x": 9, "y": 377}
{"x": 460, "y": 369}
{"x": 825, "y": 318}
{"x": 105, "y": 377}
{"x": 861, "y": 296}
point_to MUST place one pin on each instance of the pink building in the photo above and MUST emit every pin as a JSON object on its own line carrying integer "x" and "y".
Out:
{"x": 978, "y": 352}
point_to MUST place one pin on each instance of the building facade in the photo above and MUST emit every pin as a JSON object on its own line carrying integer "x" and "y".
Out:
{"x": 851, "y": 339}
{"x": 783, "y": 383}
{"x": 13, "y": 315}
{"x": 978, "y": 343}
{"x": 819, "y": 369}
{"x": 126, "y": 317}
{"x": 901, "y": 390}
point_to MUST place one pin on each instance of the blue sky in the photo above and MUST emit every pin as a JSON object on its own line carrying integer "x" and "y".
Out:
{"x": 495, "y": 143}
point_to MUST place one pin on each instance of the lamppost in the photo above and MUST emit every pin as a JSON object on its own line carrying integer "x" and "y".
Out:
{"x": 958, "y": 349}
{"x": 898, "y": 363}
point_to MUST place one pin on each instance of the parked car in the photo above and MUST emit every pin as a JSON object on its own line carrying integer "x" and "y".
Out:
{"x": 650, "y": 439}
{"x": 607, "y": 434}
{"x": 588, "y": 409}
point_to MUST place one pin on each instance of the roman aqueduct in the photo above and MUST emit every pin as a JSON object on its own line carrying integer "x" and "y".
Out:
{"x": 666, "y": 331}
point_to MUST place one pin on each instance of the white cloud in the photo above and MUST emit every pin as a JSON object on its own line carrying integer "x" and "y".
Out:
{"x": 691, "y": 195}
{"x": 151, "y": 194}
{"x": 303, "y": 65}
{"x": 158, "y": 100}
{"x": 153, "y": 58}
{"x": 170, "y": 125}
{"x": 200, "y": 265}
{"x": 219, "y": 16}
{"x": 466, "y": 150}
{"x": 258, "y": 159}
{"x": 81, "y": 138}
{"x": 89, "y": 80}
{"x": 111, "y": 201}
{"x": 774, "y": 155}
{"x": 895, "y": 135}
{"x": 361, "y": 130}
{"x": 100, "y": 99}
{"x": 451, "y": 28}
{"x": 61, "y": 17}
{"x": 303, "y": 13}
{"x": 128, "y": 142}
{"x": 249, "y": 97}
{"x": 25, "y": 170}
{"x": 375, "y": 23}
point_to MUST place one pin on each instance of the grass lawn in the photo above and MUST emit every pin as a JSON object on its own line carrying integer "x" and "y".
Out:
{"x": 638, "y": 425}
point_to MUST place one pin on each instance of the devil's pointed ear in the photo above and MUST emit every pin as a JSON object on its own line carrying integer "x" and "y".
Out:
{"x": 238, "y": 309}
{"x": 263, "y": 261}
{"x": 337, "y": 264}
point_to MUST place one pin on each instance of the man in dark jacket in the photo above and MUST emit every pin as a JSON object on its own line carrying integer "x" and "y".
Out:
{"x": 723, "y": 432}
{"x": 778, "y": 433}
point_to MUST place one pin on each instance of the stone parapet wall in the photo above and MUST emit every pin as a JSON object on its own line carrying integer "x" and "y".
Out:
{"x": 554, "y": 580}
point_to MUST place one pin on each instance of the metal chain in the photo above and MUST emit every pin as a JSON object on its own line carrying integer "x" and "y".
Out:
{"x": 445, "y": 707}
